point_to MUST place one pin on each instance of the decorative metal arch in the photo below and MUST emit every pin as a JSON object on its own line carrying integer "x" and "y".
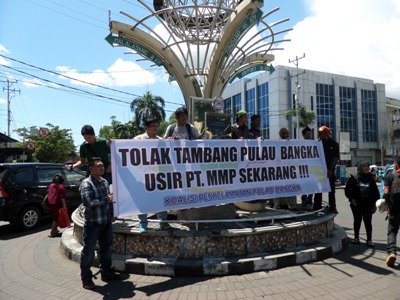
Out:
{"x": 203, "y": 43}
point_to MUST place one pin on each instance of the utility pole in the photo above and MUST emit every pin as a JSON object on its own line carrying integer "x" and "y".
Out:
{"x": 10, "y": 92}
{"x": 296, "y": 62}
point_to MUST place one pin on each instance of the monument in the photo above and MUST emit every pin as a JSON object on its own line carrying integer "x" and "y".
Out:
{"x": 204, "y": 45}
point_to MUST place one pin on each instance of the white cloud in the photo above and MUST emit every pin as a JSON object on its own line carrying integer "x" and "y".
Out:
{"x": 357, "y": 38}
{"x": 3, "y": 50}
{"x": 3, "y": 101}
{"x": 120, "y": 74}
{"x": 34, "y": 83}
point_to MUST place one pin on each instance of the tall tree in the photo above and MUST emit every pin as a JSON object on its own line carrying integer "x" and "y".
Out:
{"x": 128, "y": 130}
{"x": 119, "y": 130}
{"x": 306, "y": 117}
{"x": 148, "y": 107}
{"x": 56, "y": 147}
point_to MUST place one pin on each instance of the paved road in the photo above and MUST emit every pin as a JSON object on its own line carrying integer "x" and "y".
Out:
{"x": 32, "y": 267}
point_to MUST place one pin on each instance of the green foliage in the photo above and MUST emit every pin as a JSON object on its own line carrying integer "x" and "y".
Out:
{"x": 148, "y": 107}
{"x": 162, "y": 128}
{"x": 56, "y": 147}
{"x": 118, "y": 130}
{"x": 306, "y": 118}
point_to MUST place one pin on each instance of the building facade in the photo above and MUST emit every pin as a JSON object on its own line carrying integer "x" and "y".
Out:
{"x": 355, "y": 109}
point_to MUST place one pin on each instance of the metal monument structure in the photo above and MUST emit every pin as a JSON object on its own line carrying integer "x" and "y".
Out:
{"x": 203, "y": 45}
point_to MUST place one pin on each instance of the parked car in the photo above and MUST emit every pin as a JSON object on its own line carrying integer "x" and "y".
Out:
{"x": 23, "y": 187}
{"x": 389, "y": 168}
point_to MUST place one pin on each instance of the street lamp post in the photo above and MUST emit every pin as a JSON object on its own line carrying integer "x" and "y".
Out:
{"x": 296, "y": 62}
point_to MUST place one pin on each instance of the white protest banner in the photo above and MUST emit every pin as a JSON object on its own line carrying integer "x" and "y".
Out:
{"x": 158, "y": 175}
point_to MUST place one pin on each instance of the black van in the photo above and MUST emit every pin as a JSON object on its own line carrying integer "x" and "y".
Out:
{"x": 23, "y": 187}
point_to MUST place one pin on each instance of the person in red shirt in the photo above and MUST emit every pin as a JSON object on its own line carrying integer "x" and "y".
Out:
{"x": 56, "y": 196}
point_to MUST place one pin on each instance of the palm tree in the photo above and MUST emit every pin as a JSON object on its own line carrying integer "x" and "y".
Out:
{"x": 306, "y": 118}
{"x": 127, "y": 130}
{"x": 148, "y": 107}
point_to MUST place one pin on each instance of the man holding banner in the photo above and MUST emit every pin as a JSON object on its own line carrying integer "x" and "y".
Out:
{"x": 166, "y": 174}
{"x": 151, "y": 127}
{"x": 331, "y": 150}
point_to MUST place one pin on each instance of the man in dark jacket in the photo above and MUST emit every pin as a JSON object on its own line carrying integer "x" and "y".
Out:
{"x": 331, "y": 151}
{"x": 240, "y": 129}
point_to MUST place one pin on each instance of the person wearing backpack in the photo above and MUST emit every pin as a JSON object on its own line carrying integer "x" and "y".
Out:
{"x": 362, "y": 192}
{"x": 391, "y": 194}
{"x": 151, "y": 127}
{"x": 181, "y": 130}
{"x": 56, "y": 196}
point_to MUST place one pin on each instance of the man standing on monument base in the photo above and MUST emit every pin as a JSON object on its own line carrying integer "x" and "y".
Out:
{"x": 331, "y": 150}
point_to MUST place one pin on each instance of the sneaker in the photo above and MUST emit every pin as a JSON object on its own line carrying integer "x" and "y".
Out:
{"x": 355, "y": 241}
{"x": 165, "y": 226}
{"x": 88, "y": 284}
{"x": 142, "y": 228}
{"x": 370, "y": 244}
{"x": 110, "y": 275}
{"x": 390, "y": 260}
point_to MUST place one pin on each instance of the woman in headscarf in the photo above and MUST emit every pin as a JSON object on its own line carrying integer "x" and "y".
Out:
{"x": 362, "y": 193}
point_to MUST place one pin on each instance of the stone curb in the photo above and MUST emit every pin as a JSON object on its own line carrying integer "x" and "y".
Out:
{"x": 215, "y": 266}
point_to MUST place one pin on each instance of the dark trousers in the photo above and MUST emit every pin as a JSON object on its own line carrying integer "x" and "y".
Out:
{"x": 360, "y": 214}
{"x": 91, "y": 234}
{"x": 393, "y": 228}
{"x": 306, "y": 199}
{"x": 331, "y": 196}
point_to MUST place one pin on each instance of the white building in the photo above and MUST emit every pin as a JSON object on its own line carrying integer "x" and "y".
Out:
{"x": 353, "y": 108}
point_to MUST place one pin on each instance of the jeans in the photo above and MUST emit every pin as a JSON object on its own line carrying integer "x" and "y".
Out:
{"x": 393, "y": 228}
{"x": 162, "y": 215}
{"x": 362, "y": 213}
{"x": 91, "y": 234}
{"x": 331, "y": 196}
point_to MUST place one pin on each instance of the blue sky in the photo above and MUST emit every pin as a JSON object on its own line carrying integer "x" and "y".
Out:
{"x": 357, "y": 38}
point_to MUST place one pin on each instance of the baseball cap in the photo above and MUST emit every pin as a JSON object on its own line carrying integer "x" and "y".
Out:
{"x": 241, "y": 113}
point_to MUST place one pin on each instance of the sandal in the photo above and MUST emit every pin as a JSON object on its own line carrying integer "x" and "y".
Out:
{"x": 54, "y": 235}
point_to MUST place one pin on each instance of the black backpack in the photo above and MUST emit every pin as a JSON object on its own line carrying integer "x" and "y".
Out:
{"x": 188, "y": 128}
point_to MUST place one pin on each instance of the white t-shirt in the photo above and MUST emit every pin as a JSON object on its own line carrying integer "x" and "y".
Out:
{"x": 181, "y": 132}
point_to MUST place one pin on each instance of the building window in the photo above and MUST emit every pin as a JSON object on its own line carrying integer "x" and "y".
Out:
{"x": 228, "y": 106}
{"x": 312, "y": 103}
{"x": 237, "y": 103}
{"x": 325, "y": 102}
{"x": 263, "y": 109}
{"x": 251, "y": 102}
{"x": 368, "y": 115}
{"x": 348, "y": 111}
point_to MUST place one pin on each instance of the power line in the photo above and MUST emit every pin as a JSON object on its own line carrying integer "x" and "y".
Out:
{"x": 74, "y": 79}
{"x": 66, "y": 86}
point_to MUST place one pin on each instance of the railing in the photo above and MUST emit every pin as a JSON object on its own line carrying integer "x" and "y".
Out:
{"x": 247, "y": 219}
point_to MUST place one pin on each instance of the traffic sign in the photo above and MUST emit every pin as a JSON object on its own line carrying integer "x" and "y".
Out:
{"x": 30, "y": 146}
{"x": 43, "y": 132}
